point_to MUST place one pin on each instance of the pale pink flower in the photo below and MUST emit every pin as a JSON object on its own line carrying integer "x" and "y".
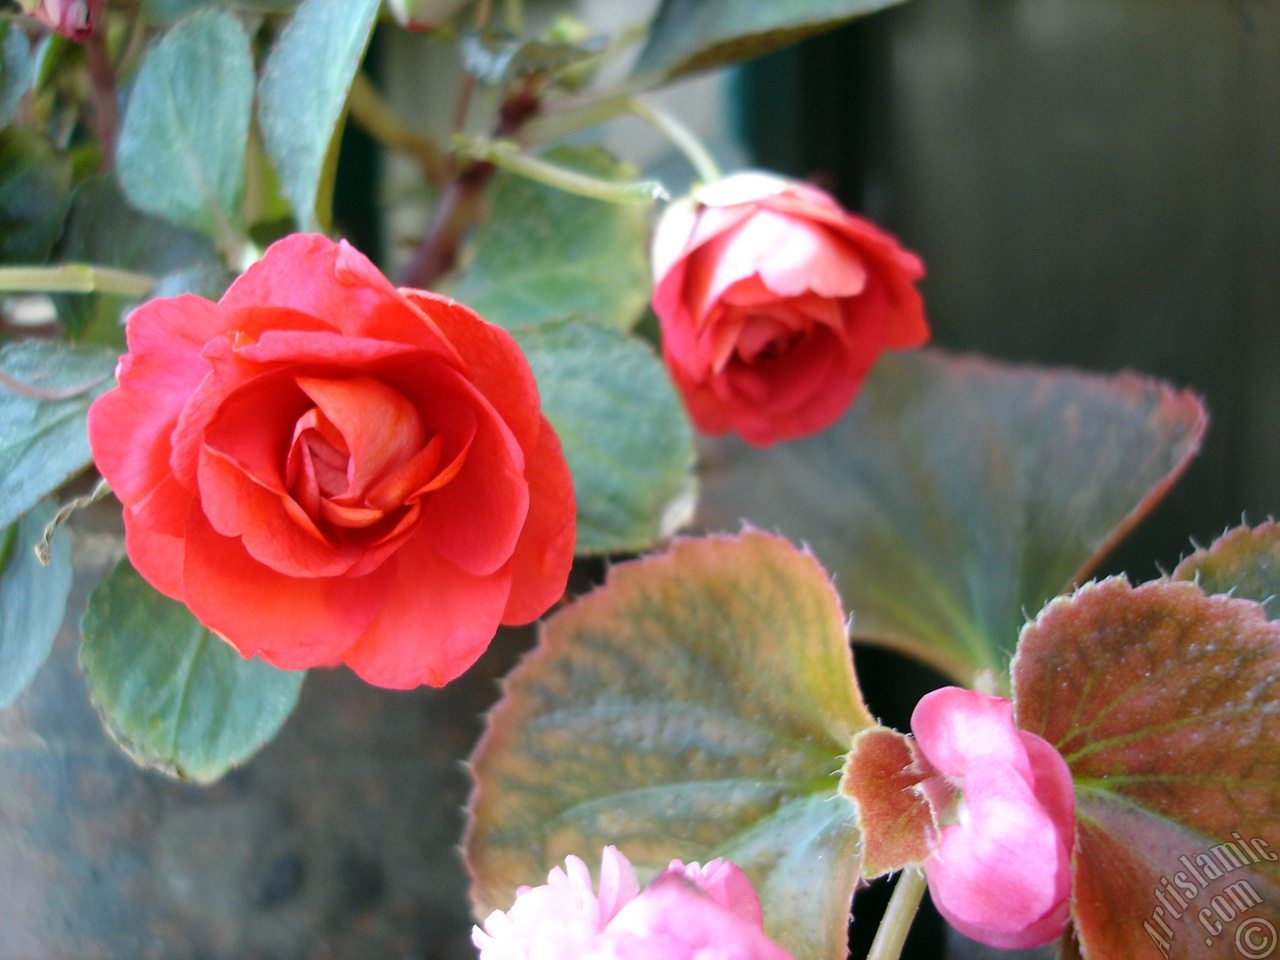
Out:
{"x": 691, "y": 912}
{"x": 1002, "y": 871}
{"x": 71, "y": 18}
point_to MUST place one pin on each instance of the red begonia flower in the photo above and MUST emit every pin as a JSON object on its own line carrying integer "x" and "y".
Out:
{"x": 326, "y": 469}
{"x": 774, "y": 303}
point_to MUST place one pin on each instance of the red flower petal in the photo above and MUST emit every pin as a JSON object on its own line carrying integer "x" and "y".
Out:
{"x": 311, "y": 273}
{"x": 495, "y": 363}
{"x": 543, "y": 554}
{"x": 236, "y": 506}
{"x": 129, "y": 427}
{"x": 475, "y": 520}
{"x": 437, "y": 619}
{"x": 292, "y": 622}
{"x": 156, "y": 556}
{"x": 382, "y": 429}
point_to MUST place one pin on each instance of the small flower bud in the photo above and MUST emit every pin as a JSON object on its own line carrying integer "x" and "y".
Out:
{"x": 71, "y": 18}
{"x": 424, "y": 14}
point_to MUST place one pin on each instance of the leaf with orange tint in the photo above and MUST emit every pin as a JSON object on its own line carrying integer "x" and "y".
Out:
{"x": 697, "y": 705}
{"x": 1244, "y": 562}
{"x": 959, "y": 494}
{"x": 1165, "y": 703}
{"x": 881, "y": 776}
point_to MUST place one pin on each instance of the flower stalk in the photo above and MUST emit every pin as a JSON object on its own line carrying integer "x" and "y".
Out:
{"x": 897, "y": 920}
{"x": 76, "y": 278}
{"x": 506, "y": 155}
{"x": 681, "y": 137}
{"x": 377, "y": 119}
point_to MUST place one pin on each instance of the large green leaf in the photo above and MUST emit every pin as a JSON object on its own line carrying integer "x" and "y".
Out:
{"x": 303, "y": 94}
{"x": 689, "y": 35}
{"x": 33, "y": 598}
{"x": 105, "y": 230}
{"x": 1244, "y": 562}
{"x": 623, "y": 431}
{"x": 959, "y": 493}
{"x": 695, "y": 706}
{"x": 171, "y": 11}
{"x": 544, "y": 254}
{"x": 43, "y": 442}
{"x": 35, "y": 189}
{"x": 17, "y": 69}
{"x": 182, "y": 144}
{"x": 1165, "y": 704}
{"x": 173, "y": 695}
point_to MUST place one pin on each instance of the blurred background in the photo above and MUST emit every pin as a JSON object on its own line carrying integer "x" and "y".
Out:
{"x": 1093, "y": 184}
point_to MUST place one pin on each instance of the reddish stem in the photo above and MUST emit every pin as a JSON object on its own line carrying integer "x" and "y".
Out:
{"x": 462, "y": 204}
{"x": 459, "y": 207}
{"x": 102, "y": 90}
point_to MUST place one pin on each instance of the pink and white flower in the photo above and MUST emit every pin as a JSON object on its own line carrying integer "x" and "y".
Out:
{"x": 688, "y": 912}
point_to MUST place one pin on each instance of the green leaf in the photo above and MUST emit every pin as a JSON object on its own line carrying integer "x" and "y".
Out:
{"x": 691, "y": 35}
{"x": 1244, "y": 562}
{"x": 623, "y": 430}
{"x": 35, "y": 189}
{"x": 17, "y": 69}
{"x": 544, "y": 254}
{"x": 958, "y": 493}
{"x": 168, "y": 12}
{"x": 303, "y": 94}
{"x": 43, "y": 442}
{"x": 697, "y": 705}
{"x": 105, "y": 230}
{"x": 171, "y": 693}
{"x": 204, "y": 280}
{"x": 496, "y": 58}
{"x": 33, "y": 599}
{"x": 182, "y": 144}
{"x": 1165, "y": 704}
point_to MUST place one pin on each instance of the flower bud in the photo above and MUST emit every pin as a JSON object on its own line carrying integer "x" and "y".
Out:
{"x": 424, "y": 14}
{"x": 71, "y": 18}
{"x": 774, "y": 304}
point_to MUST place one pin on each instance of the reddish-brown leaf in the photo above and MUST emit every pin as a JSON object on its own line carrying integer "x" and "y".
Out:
{"x": 1244, "y": 562}
{"x": 1165, "y": 703}
{"x": 882, "y": 775}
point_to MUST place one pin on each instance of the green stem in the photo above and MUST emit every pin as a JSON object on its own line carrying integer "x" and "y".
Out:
{"x": 550, "y": 126}
{"x": 514, "y": 11}
{"x": 903, "y": 905}
{"x": 375, "y": 116}
{"x": 680, "y": 136}
{"x": 506, "y": 155}
{"x": 76, "y": 278}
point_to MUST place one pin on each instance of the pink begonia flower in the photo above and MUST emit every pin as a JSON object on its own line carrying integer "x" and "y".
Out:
{"x": 691, "y": 912}
{"x": 1002, "y": 871}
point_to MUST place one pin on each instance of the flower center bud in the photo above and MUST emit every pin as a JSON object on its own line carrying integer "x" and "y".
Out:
{"x": 359, "y": 433}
